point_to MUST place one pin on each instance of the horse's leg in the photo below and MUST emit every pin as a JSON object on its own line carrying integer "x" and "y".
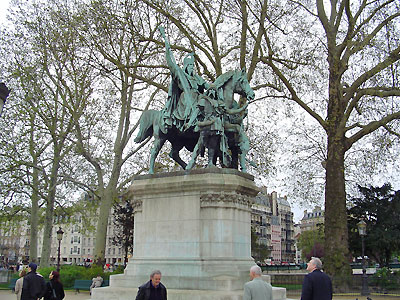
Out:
{"x": 235, "y": 157}
{"x": 174, "y": 154}
{"x": 196, "y": 152}
{"x": 216, "y": 154}
{"x": 212, "y": 144}
{"x": 157, "y": 145}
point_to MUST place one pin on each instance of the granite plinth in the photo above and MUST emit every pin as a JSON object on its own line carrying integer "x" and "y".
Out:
{"x": 194, "y": 226}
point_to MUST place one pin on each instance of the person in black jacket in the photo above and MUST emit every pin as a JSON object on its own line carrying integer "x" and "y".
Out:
{"x": 54, "y": 288}
{"x": 33, "y": 286}
{"x": 316, "y": 285}
{"x": 153, "y": 289}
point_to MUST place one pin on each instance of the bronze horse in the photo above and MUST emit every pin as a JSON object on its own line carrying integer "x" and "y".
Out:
{"x": 151, "y": 121}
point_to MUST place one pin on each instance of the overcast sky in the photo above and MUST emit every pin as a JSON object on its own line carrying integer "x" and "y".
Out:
{"x": 3, "y": 9}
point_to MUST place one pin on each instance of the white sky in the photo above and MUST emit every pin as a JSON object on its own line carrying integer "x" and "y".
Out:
{"x": 3, "y": 9}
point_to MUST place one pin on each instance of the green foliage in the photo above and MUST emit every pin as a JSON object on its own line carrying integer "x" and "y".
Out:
{"x": 379, "y": 207}
{"x": 68, "y": 274}
{"x": 385, "y": 279}
{"x": 311, "y": 243}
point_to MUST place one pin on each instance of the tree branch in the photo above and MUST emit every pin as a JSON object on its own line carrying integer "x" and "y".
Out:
{"x": 371, "y": 127}
{"x": 293, "y": 92}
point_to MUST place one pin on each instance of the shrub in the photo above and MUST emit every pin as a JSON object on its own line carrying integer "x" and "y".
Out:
{"x": 68, "y": 274}
{"x": 385, "y": 279}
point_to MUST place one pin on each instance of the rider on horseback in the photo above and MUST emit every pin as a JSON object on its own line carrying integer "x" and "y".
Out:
{"x": 184, "y": 90}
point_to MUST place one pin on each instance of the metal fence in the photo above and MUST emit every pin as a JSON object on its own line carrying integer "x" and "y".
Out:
{"x": 388, "y": 285}
{"x": 5, "y": 276}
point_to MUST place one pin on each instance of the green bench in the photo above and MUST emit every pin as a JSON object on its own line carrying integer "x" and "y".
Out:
{"x": 85, "y": 285}
{"x": 11, "y": 286}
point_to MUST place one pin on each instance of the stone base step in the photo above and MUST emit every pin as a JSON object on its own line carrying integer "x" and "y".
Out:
{"x": 119, "y": 293}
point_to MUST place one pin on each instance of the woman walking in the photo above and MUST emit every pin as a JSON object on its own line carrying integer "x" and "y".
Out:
{"x": 54, "y": 288}
{"x": 19, "y": 283}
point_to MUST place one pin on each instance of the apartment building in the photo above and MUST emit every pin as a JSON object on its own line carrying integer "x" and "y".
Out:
{"x": 76, "y": 247}
{"x": 272, "y": 221}
{"x": 311, "y": 220}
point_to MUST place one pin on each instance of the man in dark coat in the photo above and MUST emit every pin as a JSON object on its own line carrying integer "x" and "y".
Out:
{"x": 316, "y": 285}
{"x": 153, "y": 289}
{"x": 34, "y": 286}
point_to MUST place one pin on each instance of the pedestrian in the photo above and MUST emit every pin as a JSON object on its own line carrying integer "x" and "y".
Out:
{"x": 257, "y": 288}
{"x": 54, "y": 288}
{"x": 316, "y": 285}
{"x": 33, "y": 286}
{"x": 19, "y": 283}
{"x": 96, "y": 282}
{"x": 153, "y": 289}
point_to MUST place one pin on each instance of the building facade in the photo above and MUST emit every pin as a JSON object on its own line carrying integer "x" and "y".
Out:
{"x": 311, "y": 220}
{"x": 76, "y": 247}
{"x": 272, "y": 221}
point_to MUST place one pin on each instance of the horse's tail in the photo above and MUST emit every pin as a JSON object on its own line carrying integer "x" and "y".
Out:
{"x": 146, "y": 124}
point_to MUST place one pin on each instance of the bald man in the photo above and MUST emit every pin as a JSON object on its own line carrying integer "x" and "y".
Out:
{"x": 257, "y": 288}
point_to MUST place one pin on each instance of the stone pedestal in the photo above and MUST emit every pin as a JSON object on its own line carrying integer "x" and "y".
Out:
{"x": 194, "y": 226}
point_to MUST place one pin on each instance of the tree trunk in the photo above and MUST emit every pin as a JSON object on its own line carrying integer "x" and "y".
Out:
{"x": 34, "y": 217}
{"x": 101, "y": 232}
{"x": 336, "y": 243}
{"x": 336, "y": 235}
{"x": 47, "y": 233}
{"x": 48, "y": 221}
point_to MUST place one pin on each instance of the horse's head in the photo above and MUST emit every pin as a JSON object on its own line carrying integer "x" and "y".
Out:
{"x": 242, "y": 86}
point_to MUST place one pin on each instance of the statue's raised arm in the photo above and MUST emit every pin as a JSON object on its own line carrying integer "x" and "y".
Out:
{"x": 168, "y": 53}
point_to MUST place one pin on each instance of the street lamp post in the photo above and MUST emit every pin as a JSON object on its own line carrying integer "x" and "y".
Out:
{"x": 59, "y": 238}
{"x": 362, "y": 230}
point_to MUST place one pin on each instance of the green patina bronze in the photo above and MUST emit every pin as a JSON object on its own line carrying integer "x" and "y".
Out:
{"x": 198, "y": 115}
{"x": 184, "y": 90}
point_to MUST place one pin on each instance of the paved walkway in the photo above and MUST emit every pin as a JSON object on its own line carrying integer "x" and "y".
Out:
{"x": 69, "y": 295}
{"x": 353, "y": 297}
{"x": 84, "y": 295}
